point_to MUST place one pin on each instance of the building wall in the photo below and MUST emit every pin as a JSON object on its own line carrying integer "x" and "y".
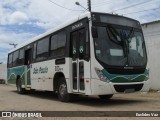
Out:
{"x": 152, "y": 37}
{"x": 3, "y": 71}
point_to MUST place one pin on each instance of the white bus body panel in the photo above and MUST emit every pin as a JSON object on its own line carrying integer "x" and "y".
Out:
{"x": 44, "y": 81}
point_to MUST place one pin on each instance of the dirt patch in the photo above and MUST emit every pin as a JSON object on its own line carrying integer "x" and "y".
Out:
{"x": 47, "y": 101}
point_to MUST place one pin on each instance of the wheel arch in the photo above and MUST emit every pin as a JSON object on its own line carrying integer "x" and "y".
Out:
{"x": 56, "y": 79}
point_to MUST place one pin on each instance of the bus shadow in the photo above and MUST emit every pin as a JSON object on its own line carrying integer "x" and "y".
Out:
{"x": 41, "y": 95}
{"x": 96, "y": 102}
{"x": 92, "y": 101}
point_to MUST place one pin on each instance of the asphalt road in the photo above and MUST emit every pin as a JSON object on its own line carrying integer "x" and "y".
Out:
{"x": 47, "y": 101}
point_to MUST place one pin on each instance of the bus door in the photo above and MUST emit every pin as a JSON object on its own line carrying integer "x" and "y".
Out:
{"x": 79, "y": 64}
{"x": 27, "y": 65}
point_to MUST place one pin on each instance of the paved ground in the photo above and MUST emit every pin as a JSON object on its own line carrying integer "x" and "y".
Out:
{"x": 44, "y": 101}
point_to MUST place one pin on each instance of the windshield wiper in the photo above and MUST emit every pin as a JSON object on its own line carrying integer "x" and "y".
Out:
{"x": 130, "y": 34}
{"x": 120, "y": 38}
{"x": 113, "y": 34}
{"x": 125, "y": 40}
{"x": 114, "y": 38}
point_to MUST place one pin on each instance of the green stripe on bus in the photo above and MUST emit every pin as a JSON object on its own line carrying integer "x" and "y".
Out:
{"x": 13, "y": 72}
{"x": 120, "y": 78}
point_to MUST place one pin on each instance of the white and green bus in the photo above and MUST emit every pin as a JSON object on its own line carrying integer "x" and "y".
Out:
{"x": 94, "y": 54}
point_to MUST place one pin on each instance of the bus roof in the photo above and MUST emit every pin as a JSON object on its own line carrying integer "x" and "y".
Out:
{"x": 69, "y": 22}
{"x": 87, "y": 14}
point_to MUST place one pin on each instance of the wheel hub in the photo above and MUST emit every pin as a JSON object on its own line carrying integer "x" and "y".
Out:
{"x": 62, "y": 90}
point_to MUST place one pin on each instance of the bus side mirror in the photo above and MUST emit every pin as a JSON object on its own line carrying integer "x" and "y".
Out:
{"x": 94, "y": 32}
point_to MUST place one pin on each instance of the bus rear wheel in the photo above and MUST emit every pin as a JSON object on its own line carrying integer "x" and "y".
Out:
{"x": 20, "y": 90}
{"x": 105, "y": 97}
{"x": 63, "y": 95}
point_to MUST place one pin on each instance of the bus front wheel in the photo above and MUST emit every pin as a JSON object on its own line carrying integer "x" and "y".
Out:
{"x": 105, "y": 97}
{"x": 63, "y": 95}
{"x": 20, "y": 90}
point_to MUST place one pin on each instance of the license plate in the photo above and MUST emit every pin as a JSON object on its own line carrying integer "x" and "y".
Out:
{"x": 129, "y": 90}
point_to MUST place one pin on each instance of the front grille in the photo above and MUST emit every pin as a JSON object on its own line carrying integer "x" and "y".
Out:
{"x": 123, "y": 88}
{"x": 125, "y": 71}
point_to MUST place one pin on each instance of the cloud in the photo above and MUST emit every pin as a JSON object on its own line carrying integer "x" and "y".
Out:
{"x": 7, "y": 37}
{"x": 8, "y": 18}
{"x": 43, "y": 24}
{"x": 48, "y": 15}
{"x": 18, "y": 18}
{"x": 22, "y": 19}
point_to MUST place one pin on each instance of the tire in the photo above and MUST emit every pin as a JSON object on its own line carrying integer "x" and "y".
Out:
{"x": 105, "y": 97}
{"x": 63, "y": 95}
{"x": 20, "y": 90}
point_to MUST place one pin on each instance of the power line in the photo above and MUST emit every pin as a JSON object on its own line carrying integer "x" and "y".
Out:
{"x": 63, "y": 6}
{"x": 141, "y": 11}
{"x": 131, "y": 6}
{"x": 101, "y": 4}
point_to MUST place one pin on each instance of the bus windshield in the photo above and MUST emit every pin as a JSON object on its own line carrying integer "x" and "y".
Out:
{"x": 118, "y": 46}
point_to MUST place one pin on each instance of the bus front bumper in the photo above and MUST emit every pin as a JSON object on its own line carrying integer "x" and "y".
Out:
{"x": 103, "y": 88}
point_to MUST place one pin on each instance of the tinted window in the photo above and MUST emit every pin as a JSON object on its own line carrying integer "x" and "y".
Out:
{"x": 10, "y": 61}
{"x": 42, "y": 49}
{"x": 82, "y": 44}
{"x": 21, "y": 57}
{"x": 58, "y": 42}
{"x": 87, "y": 51}
{"x": 34, "y": 51}
{"x": 15, "y": 57}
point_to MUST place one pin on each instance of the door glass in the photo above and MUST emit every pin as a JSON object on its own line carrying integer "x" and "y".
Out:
{"x": 81, "y": 44}
{"x": 74, "y": 46}
{"x": 74, "y": 76}
{"x": 28, "y": 57}
{"x": 81, "y": 75}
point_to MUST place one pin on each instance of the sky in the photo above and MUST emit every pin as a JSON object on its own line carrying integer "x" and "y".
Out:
{"x": 21, "y": 20}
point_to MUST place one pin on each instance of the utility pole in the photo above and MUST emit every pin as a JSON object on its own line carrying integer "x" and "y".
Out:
{"x": 89, "y": 5}
{"x": 13, "y": 44}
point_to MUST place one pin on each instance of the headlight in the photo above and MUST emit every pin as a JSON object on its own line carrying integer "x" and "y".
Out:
{"x": 146, "y": 78}
{"x": 101, "y": 75}
{"x": 147, "y": 74}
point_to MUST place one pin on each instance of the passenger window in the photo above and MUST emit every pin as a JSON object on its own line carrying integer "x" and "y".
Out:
{"x": 42, "y": 49}
{"x": 21, "y": 57}
{"x": 10, "y": 60}
{"x": 34, "y": 51}
{"x": 15, "y": 57}
{"x": 58, "y": 42}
